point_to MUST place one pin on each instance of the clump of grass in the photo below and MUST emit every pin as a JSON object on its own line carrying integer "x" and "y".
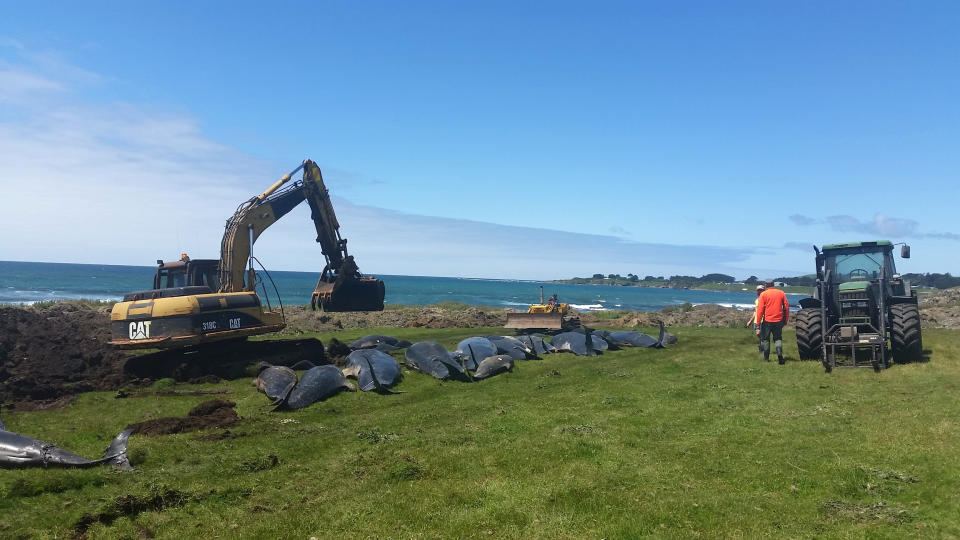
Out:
{"x": 579, "y": 429}
{"x": 54, "y": 483}
{"x": 405, "y": 470}
{"x": 867, "y": 513}
{"x": 374, "y": 436}
{"x": 259, "y": 464}
{"x": 166, "y": 382}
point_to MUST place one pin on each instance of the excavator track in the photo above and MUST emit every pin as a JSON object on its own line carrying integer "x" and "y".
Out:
{"x": 225, "y": 360}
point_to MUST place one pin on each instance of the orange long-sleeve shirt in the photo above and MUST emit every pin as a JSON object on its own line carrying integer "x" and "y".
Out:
{"x": 772, "y": 306}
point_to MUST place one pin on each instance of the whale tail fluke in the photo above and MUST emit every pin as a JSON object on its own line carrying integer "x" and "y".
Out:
{"x": 116, "y": 453}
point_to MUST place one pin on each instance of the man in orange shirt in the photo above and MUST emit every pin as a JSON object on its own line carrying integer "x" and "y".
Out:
{"x": 773, "y": 311}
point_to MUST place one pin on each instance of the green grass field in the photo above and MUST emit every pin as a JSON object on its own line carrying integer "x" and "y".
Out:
{"x": 698, "y": 440}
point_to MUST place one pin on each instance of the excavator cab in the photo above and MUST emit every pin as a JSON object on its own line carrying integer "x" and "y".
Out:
{"x": 187, "y": 272}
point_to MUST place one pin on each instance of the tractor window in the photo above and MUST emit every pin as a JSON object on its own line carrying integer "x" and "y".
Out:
{"x": 857, "y": 266}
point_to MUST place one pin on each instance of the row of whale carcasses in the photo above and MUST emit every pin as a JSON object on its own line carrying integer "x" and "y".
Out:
{"x": 475, "y": 358}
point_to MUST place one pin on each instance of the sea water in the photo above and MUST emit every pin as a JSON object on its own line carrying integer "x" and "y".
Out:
{"x": 30, "y": 282}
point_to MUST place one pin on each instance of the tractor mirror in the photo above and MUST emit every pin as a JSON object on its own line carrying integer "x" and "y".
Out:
{"x": 905, "y": 251}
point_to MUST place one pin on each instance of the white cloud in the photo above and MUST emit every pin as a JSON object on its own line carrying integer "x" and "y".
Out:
{"x": 391, "y": 242}
{"x": 126, "y": 184}
{"x": 881, "y": 226}
{"x": 17, "y": 85}
{"x": 110, "y": 184}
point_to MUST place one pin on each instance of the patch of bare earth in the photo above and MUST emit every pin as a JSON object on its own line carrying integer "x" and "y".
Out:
{"x": 215, "y": 413}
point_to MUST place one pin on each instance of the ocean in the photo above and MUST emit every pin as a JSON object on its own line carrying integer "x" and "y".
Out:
{"x": 30, "y": 282}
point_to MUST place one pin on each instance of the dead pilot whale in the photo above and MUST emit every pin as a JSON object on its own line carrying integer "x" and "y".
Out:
{"x": 20, "y": 451}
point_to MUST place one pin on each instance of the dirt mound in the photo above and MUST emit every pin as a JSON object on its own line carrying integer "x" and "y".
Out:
{"x": 302, "y": 319}
{"x": 56, "y": 351}
{"x": 684, "y": 315}
{"x": 215, "y": 413}
{"x": 48, "y": 354}
{"x": 942, "y": 310}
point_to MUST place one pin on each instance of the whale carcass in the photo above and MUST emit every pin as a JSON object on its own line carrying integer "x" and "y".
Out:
{"x": 374, "y": 370}
{"x": 318, "y": 383}
{"x": 433, "y": 359}
{"x": 493, "y": 365}
{"x": 17, "y": 451}
{"x": 582, "y": 344}
{"x": 474, "y": 349}
{"x": 379, "y": 342}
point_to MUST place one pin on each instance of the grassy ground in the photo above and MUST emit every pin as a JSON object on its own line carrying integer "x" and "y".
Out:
{"x": 699, "y": 440}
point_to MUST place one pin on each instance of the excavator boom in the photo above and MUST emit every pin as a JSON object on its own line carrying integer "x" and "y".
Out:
{"x": 194, "y": 302}
{"x": 341, "y": 287}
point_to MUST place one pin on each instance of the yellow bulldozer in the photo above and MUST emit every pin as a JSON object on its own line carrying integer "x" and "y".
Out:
{"x": 549, "y": 315}
{"x": 194, "y": 301}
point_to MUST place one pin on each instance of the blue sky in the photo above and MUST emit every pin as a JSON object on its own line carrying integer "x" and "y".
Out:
{"x": 488, "y": 139}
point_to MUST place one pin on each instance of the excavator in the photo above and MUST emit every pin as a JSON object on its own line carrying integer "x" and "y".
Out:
{"x": 198, "y": 301}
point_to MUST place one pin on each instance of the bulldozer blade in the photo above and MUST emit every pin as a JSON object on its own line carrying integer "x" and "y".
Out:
{"x": 546, "y": 321}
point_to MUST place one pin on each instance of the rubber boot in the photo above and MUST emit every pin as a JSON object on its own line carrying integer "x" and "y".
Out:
{"x": 779, "y": 345}
{"x": 766, "y": 350}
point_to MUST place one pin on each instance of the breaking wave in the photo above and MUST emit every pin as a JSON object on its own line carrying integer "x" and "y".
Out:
{"x": 587, "y": 307}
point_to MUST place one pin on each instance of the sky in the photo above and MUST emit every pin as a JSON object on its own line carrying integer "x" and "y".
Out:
{"x": 519, "y": 140}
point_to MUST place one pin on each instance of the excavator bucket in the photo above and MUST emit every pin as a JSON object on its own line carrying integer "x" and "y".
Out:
{"x": 364, "y": 294}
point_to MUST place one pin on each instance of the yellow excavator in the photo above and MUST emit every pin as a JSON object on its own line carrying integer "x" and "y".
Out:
{"x": 194, "y": 301}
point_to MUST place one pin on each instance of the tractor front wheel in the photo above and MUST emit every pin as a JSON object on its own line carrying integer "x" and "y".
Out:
{"x": 905, "y": 339}
{"x": 809, "y": 334}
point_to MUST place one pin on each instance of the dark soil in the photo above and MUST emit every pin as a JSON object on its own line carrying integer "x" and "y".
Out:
{"x": 46, "y": 354}
{"x": 50, "y": 353}
{"x": 215, "y": 413}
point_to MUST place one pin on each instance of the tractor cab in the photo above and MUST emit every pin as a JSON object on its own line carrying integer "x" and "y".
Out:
{"x": 859, "y": 264}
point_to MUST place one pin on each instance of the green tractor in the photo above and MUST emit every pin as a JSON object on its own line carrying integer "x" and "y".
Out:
{"x": 861, "y": 309}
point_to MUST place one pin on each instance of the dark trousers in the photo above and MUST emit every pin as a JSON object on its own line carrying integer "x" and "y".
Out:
{"x": 767, "y": 328}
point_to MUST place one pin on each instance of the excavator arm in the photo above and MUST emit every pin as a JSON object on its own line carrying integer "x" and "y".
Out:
{"x": 341, "y": 286}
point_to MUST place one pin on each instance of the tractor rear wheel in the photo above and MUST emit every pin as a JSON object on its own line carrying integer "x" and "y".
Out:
{"x": 809, "y": 334}
{"x": 905, "y": 339}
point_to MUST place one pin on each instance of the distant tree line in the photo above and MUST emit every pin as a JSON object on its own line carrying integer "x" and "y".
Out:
{"x": 799, "y": 281}
{"x": 672, "y": 281}
{"x": 935, "y": 280}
